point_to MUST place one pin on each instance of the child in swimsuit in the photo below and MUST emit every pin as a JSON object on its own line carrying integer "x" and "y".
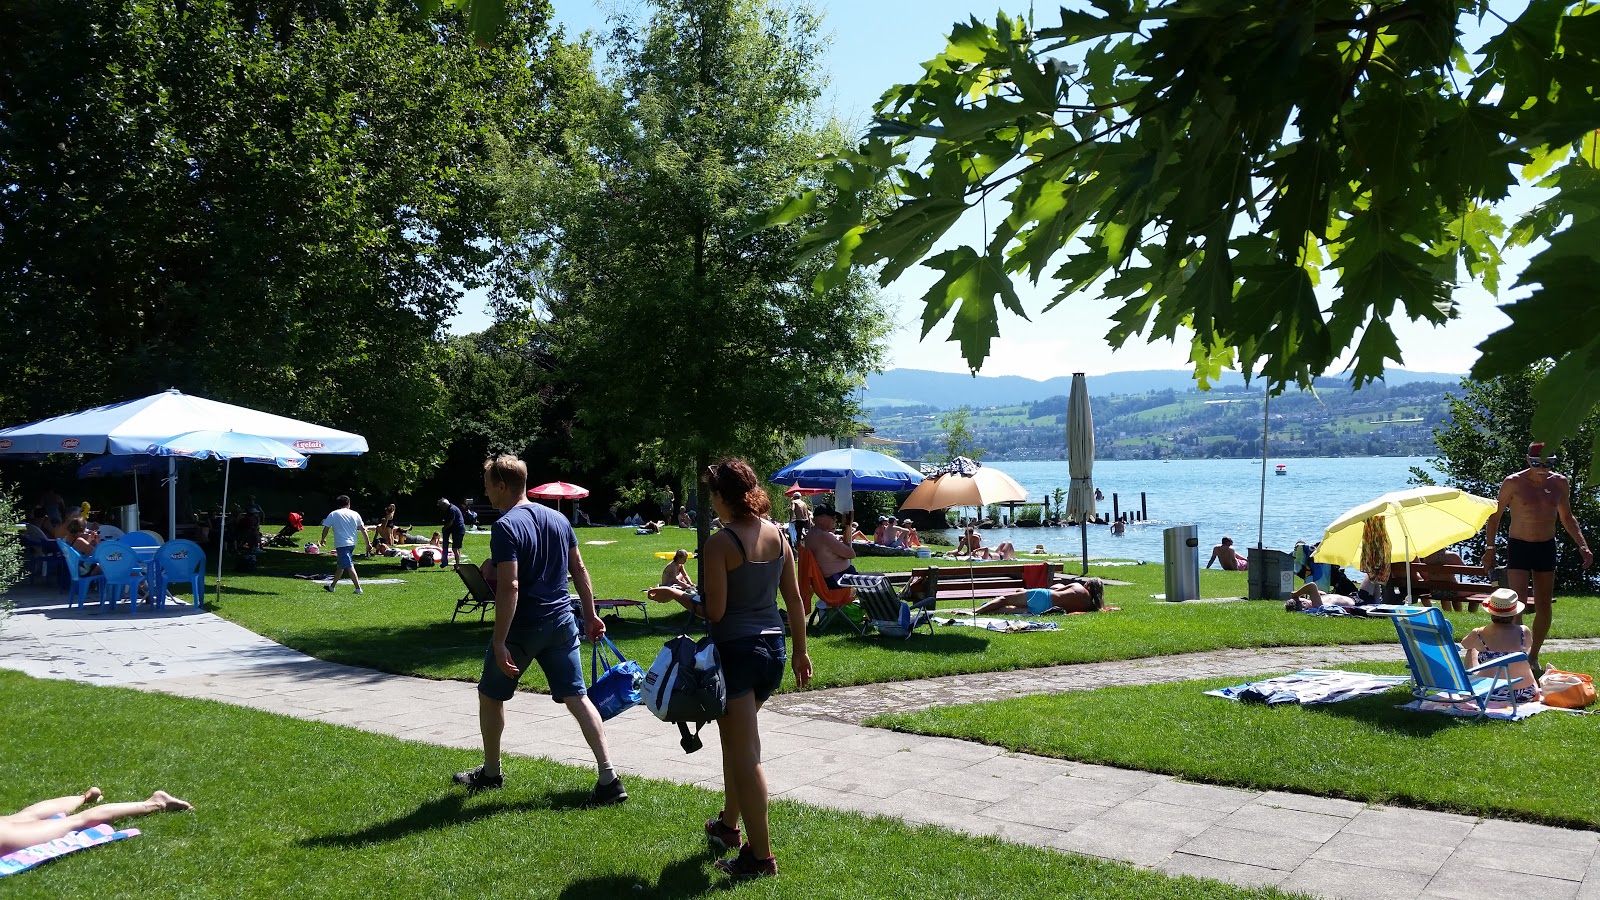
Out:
{"x": 1503, "y": 637}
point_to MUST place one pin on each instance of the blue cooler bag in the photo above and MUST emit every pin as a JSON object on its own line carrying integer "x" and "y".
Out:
{"x": 618, "y": 688}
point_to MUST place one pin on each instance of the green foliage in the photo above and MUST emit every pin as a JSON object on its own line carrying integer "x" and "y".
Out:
{"x": 1029, "y": 514}
{"x": 12, "y": 559}
{"x": 1207, "y": 163}
{"x": 682, "y": 335}
{"x": 498, "y": 388}
{"x": 957, "y": 437}
{"x": 1491, "y": 424}
{"x": 264, "y": 203}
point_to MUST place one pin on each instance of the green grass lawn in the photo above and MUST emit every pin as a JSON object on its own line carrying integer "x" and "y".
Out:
{"x": 286, "y": 808}
{"x": 406, "y": 628}
{"x": 1364, "y": 749}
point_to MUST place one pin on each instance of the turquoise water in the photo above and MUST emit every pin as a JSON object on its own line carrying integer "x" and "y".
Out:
{"x": 1218, "y": 496}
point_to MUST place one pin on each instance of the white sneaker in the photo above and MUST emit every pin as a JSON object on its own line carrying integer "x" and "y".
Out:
{"x": 360, "y": 591}
{"x": 328, "y": 587}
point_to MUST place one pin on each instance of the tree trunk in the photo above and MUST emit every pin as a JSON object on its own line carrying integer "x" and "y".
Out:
{"x": 702, "y": 521}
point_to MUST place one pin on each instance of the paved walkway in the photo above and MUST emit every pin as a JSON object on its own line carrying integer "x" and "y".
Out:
{"x": 1330, "y": 848}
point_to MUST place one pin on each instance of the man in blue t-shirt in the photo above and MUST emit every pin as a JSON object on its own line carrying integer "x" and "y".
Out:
{"x": 533, "y": 549}
{"x": 453, "y": 530}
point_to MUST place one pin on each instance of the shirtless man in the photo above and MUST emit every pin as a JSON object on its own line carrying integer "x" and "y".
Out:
{"x": 1536, "y": 497}
{"x": 832, "y": 554}
{"x": 1231, "y": 559}
{"x": 799, "y": 514}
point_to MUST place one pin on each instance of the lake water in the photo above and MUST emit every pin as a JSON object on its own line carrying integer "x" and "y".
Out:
{"x": 1218, "y": 496}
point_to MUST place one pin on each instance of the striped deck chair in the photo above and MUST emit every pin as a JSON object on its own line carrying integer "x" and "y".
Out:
{"x": 834, "y": 600}
{"x": 891, "y": 614}
{"x": 1436, "y": 670}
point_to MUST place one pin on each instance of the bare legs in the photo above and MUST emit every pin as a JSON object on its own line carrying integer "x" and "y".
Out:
{"x": 1017, "y": 602}
{"x": 17, "y": 833}
{"x": 492, "y": 725}
{"x": 60, "y": 806}
{"x": 744, "y": 783}
{"x": 1542, "y": 599}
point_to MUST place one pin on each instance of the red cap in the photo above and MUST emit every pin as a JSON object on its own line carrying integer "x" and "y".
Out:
{"x": 1536, "y": 450}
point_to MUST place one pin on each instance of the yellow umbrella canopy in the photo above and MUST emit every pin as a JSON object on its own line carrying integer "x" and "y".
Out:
{"x": 983, "y": 487}
{"x": 1416, "y": 522}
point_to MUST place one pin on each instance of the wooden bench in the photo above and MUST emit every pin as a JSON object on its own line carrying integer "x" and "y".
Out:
{"x": 1427, "y": 581}
{"x": 980, "y": 582}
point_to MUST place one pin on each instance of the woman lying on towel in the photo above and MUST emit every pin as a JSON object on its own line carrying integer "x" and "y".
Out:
{"x": 1083, "y": 596}
{"x": 50, "y": 819}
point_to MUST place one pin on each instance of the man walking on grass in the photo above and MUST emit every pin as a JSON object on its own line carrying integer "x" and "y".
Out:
{"x": 533, "y": 548}
{"x": 346, "y": 524}
{"x": 1536, "y": 497}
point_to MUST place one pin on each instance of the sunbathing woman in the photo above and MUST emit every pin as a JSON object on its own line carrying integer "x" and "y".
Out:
{"x": 1083, "y": 596}
{"x": 49, "y": 819}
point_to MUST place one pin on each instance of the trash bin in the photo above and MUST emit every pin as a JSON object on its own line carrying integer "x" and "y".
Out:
{"x": 128, "y": 516}
{"x": 1180, "y": 547}
{"x": 1270, "y": 574}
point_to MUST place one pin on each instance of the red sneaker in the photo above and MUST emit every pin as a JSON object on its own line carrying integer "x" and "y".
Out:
{"x": 746, "y": 866}
{"x": 719, "y": 837}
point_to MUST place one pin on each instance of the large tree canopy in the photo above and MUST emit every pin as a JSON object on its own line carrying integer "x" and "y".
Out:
{"x": 1209, "y": 163}
{"x": 264, "y": 201}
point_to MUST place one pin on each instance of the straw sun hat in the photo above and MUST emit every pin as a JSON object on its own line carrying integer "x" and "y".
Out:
{"x": 1503, "y": 602}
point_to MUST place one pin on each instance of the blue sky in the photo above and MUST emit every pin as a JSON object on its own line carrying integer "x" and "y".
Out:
{"x": 879, "y": 43}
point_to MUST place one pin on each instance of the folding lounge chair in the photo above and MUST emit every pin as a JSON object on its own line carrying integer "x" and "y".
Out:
{"x": 1435, "y": 662}
{"x": 834, "y": 600}
{"x": 890, "y": 613}
{"x": 479, "y": 598}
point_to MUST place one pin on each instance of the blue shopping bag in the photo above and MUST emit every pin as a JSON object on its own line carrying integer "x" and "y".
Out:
{"x": 619, "y": 686}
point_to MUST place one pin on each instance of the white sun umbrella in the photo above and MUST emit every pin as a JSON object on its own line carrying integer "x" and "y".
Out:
{"x": 229, "y": 446}
{"x": 1080, "y": 460}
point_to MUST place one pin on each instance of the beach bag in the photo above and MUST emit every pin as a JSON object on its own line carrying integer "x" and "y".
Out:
{"x": 617, "y": 689}
{"x": 1568, "y": 690}
{"x": 685, "y": 686}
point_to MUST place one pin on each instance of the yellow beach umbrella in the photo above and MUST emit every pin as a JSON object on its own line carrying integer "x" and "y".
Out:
{"x": 1416, "y": 522}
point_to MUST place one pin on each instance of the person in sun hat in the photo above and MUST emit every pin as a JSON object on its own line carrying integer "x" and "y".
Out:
{"x": 1503, "y": 636}
{"x": 1537, "y": 497}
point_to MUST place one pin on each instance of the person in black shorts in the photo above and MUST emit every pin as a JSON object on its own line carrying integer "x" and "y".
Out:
{"x": 1537, "y": 498}
{"x": 533, "y": 549}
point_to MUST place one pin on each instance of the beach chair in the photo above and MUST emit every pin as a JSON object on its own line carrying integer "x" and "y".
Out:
{"x": 179, "y": 562}
{"x": 834, "y": 600}
{"x": 891, "y": 614}
{"x": 1435, "y": 662}
{"x": 123, "y": 573}
{"x": 78, "y": 585}
{"x": 479, "y": 597}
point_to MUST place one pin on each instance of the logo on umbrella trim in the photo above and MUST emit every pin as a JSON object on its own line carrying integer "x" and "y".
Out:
{"x": 69, "y": 444}
{"x": 5, "y": 443}
{"x": 308, "y": 445}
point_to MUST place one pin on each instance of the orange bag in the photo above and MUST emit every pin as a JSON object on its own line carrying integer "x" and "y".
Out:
{"x": 1568, "y": 690}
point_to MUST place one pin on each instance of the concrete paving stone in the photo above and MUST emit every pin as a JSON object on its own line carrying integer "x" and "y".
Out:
{"x": 1524, "y": 858}
{"x": 1462, "y": 881}
{"x": 1180, "y": 864}
{"x": 929, "y": 808}
{"x": 1060, "y": 815}
{"x": 1392, "y": 823}
{"x": 1075, "y": 789}
{"x": 1189, "y": 820}
{"x": 1274, "y": 851}
{"x": 976, "y": 786}
{"x": 819, "y": 795}
{"x": 821, "y": 728}
{"x": 948, "y": 748}
{"x": 1327, "y": 806}
{"x": 875, "y": 783}
{"x": 1341, "y": 881}
{"x": 1205, "y": 796}
{"x": 1277, "y": 820}
{"x": 1114, "y": 775}
{"x": 1024, "y": 768}
{"x": 1395, "y": 856}
{"x": 1536, "y": 835}
{"x": 1014, "y": 832}
{"x": 1129, "y": 843}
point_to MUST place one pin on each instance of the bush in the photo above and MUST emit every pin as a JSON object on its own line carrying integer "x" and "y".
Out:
{"x": 1029, "y": 515}
{"x": 11, "y": 553}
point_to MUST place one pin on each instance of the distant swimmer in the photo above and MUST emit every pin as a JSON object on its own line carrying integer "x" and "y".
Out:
{"x": 1231, "y": 559}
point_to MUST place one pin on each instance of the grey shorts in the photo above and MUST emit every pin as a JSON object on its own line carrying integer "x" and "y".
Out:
{"x": 554, "y": 644}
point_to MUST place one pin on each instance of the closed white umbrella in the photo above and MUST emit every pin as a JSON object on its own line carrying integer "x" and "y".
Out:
{"x": 1080, "y": 460}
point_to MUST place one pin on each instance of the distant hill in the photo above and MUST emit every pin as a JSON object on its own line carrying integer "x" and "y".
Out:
{"x": 948, "y": 390}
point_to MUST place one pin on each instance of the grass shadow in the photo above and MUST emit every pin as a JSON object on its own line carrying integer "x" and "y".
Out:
{"x": 1382, "y": 710}
{"x": 447, "y": 811}
{"x": 941, "y": 642}
{"x": 688, "y": 877}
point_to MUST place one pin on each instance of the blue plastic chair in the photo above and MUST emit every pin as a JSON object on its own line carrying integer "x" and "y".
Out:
{"x": 1436, "y": 670}
{"x": 44, "y": 559}
{"x": 78, "y": 585}
{"x": 140, "y": 539}
{"x": 123, "y": 573}
{"x": 179, "y": 562}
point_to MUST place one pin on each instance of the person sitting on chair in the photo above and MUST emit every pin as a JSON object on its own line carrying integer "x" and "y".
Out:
{"x": 1087, "y": 595}
{"x": 832, "y": 554}
{"x": 84, "y": 541}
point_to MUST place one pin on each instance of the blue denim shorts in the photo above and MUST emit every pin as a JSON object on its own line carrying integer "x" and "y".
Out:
{"x": 554, "y": 644}
{"x": 753, "y": 665}
{"x": 347, "y": 557}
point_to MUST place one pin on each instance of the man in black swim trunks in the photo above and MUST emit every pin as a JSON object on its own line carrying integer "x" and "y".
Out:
{"x": 1536, "y": 497}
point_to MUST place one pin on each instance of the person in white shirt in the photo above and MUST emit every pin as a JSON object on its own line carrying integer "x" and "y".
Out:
{"x": 346, "y": 524}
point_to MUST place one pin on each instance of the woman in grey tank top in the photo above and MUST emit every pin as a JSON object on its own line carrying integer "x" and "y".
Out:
{"x": 744, "y": 568}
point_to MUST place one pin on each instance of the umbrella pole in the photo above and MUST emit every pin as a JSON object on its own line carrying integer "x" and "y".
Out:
{"x": 1266, "y": 423}
{"x": 1083, "y": 531}
{"x": 172, "y": 497}
{"x": 222, "y": 531}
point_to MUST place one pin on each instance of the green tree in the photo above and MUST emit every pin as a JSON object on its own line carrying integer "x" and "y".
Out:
{"x": 1486, "y": 439}
{"x": 682, "y": 334}
{"x": 957, "y": 435}
{"x": 1209, "y": 162}
{"x": 264, "y": 202}
{"x": 11, "y": 551}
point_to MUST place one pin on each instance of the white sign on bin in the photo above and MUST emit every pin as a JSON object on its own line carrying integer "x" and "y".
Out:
{"x": 1286, "y": 583}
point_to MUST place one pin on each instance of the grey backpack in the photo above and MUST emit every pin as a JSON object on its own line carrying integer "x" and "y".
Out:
{"x": 685, "y": 685}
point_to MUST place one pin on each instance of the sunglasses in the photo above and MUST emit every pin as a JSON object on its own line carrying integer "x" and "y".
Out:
{"x": 1540, "y": 463}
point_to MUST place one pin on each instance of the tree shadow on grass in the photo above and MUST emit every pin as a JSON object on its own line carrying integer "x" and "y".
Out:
{"x": 448, "y": 811}
{"x": 688, "y": 877}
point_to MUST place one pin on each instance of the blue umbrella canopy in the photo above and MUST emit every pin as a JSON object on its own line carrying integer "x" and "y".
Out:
{"x": 231, "y": 445}
{"x": 103, "y": 466}
{"x": 866, "y": 469}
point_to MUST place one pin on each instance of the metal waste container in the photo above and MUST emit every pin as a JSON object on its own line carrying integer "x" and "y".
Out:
{"x": 1180, "y": 549}
{"x": 1270, "y": 575}
{"x": 128, "y": 517}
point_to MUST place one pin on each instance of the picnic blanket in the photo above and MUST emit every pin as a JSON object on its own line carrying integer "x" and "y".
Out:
{"x": 1007, "y": 626}
{"x": 28, "y": 857}
{"x": 1309, "y": 686}
{"x": 1497, "y": 709}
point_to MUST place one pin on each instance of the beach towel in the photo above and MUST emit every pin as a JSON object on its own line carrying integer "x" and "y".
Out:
{"x": 1309, "y": 686}
{"x": 812, "y": 582}
{"x": 28, "y": 857}
{"x": 1005, "y": 626}
{"x": 599, "y": 543}
{"x": 1497, "y": 709}
{"x": 1035, "y": 575}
